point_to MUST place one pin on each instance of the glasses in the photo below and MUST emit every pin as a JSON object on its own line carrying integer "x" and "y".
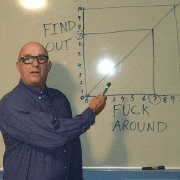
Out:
{"x": 30, "y": 59}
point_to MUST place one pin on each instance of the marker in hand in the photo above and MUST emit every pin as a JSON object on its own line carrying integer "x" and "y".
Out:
{"x": 106, "y": 88}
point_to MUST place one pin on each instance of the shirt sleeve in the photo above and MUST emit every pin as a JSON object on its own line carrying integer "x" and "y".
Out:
{"x": 36, "y": 129}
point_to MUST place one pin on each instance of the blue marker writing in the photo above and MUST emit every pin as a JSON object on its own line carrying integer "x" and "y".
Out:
{"x": 154, "y": 168}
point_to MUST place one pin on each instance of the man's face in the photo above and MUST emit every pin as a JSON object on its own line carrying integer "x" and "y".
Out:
{"x": 34, "y": 74}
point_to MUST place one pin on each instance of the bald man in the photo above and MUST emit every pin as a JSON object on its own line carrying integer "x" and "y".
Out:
{"x": 40, "y": 135}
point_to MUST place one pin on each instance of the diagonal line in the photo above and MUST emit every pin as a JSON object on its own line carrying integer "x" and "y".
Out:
{"x": 121, "y": 60}
{"x": 166, "y": 15}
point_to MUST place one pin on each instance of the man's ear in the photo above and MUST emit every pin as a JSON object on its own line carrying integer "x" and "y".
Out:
{"x": 50, "y": 65}
{"x": 17, "y": 65}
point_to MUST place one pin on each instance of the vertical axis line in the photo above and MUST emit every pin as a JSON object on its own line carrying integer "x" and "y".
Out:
{"x": 84, "y": 54}
{"x": 177, "y": 35}
{"x": 153, "y": 63}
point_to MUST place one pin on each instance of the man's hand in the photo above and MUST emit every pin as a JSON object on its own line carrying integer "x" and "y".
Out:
{"x": 98, "y": 103}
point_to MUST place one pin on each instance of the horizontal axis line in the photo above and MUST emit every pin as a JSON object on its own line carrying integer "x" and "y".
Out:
{"x": 150, "y": 6}
{"x": 140, "y": 94}
{"x": 111, "y": 32}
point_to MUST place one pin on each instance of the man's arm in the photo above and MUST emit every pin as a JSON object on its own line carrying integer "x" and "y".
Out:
{"x": 37, "y": 129}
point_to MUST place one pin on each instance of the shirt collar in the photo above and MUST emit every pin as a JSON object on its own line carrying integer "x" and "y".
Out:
{"x": 34, "y": 90}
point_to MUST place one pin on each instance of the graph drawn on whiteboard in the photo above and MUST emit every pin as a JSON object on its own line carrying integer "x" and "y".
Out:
{"x": 143, "y": 44}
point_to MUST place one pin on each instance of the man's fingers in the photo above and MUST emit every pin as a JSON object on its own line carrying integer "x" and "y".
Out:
{"x": 98, "y": 103}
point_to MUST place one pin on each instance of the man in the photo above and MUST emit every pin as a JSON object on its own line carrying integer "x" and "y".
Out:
{"x": 41, "y": 137}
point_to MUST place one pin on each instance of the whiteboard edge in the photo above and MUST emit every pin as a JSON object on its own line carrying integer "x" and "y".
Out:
{"x": 116, "y": 168}
{"x": 125, "y": 169}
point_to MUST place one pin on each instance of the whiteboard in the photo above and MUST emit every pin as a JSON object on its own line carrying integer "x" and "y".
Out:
{"x": 139, "y": 42}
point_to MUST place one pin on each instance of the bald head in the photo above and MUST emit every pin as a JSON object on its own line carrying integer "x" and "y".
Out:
{"x": 30, "y": 45}
{"x": 34, "y": 74}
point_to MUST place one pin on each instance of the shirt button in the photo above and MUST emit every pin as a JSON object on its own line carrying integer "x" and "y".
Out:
{"x": 65, "y": 167}
{"x": 41, "y": 92}
{"x": 65, "y": 151}
{"x": 82, "y": 130}
{"x": 49, "y": 104}
{"x": 55, "y": 119}
{"x": 40, "y": 98}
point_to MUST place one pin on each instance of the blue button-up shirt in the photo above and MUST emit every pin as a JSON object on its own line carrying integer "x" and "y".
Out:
{"x": 41, "y": 137}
